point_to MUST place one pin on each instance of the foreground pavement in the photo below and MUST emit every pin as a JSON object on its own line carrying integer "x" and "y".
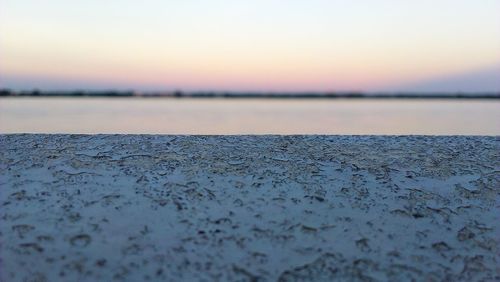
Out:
{"x": 249, "y": 208}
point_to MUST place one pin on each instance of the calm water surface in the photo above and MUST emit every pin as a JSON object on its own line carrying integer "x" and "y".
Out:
{"x": 248, "y": 116}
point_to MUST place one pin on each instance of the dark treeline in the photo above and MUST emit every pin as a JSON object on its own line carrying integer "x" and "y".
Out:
{"x": 272, "y": 95}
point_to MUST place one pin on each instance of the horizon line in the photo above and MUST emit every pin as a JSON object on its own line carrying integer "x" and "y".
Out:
{"x": 5, "y": 92}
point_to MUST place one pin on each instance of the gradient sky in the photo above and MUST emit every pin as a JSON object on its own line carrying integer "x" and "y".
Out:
{"x": 261, "y": 45}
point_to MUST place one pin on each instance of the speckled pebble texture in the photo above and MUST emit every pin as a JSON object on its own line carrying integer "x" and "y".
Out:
{"x": 249, "y": 208}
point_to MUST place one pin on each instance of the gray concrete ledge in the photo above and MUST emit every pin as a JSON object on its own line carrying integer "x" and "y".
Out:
{"x": 249, "y": 208}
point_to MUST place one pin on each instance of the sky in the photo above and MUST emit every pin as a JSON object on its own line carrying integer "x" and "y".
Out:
{"x": 258, "y": 45}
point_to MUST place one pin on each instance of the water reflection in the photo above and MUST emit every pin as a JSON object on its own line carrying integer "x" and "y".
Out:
{"x": 248, "y": 116}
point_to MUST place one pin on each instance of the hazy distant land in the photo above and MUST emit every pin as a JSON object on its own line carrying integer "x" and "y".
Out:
{"x": 273, "y": 95}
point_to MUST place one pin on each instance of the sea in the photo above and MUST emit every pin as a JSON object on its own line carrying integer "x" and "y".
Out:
{"x": 159, "y": 115}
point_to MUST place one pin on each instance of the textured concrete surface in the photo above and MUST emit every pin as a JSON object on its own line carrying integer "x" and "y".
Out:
{"x": 249, "y": 208}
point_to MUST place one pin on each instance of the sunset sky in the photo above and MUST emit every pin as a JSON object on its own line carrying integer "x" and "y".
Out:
{"x": 258, "y": 45}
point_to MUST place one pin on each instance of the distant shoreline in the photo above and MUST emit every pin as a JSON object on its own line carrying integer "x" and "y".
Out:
{"x": 251, "y": 95}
